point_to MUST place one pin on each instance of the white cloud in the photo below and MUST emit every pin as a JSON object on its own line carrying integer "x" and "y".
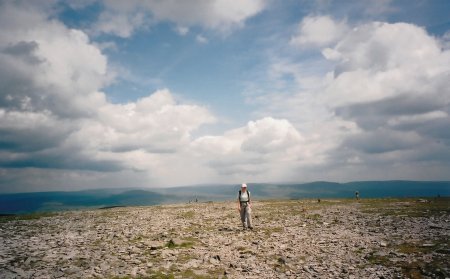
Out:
{"x": 39, "y": 69}
{"x": 260, "y": 150}
{"x": 121, "y": 18}
{"x": 380, "y": 60}
{"x": 106, "y": 46}
{"x": 381, "y": 111}
{"x": 378, "y": 113}
{"x": 392, "y": 80}
{"x": 119, "y": 24}
{"x": 445, "y": 40}
{"x": 318, "y": 31}
{"x": 331, "y": 54}
{"x": 217, "y": 14}
{"x": 182, "y": 30}
{"x": 80, "y": 4}
{"x": 54, "y": 98}
{"x": 374, "y": 8}
{"x": 269, "y": 135}
{"x": 416, "y": 118}
{"x": 201, "y": 39}
{"x": 156, "y": 124}
{"x": 46, "y": 89}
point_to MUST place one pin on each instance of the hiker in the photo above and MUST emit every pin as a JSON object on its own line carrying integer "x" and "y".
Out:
{"x": 244, "y": 207}
{"x": 357, "y": 195}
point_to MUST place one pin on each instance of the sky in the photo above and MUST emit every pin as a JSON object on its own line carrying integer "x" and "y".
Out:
{"x": 149, "y": 93}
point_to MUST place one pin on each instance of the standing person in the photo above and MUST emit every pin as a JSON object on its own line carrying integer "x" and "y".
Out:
{"x": 244, "y": 207}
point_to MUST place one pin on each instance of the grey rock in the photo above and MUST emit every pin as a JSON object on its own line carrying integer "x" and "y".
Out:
{"x": 72, "y": 270}
{"x": 131, "y": 242}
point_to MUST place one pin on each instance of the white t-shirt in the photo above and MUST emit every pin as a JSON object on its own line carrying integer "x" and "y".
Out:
{"x": 244, "y": 196}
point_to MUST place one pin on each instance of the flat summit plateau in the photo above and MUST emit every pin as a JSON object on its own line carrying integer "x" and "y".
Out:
{"x": 335, "y": 238}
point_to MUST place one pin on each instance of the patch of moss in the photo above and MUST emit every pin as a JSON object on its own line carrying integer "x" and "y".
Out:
{"x": 315, "y": 216}
{"x": 32, "y": 216}
{"x": 270, "y": 230}
{"x": 187, "y": 215}
{"x": 436, "y": 268}
{"x": 407, "y": 207}
{"x": 375, "y": 259}
{"x": 137, "y": 238}
{"x": 171, "y": 244}
{"x": 417, "y": 269}
{"x": 189, "y": 273}
{"x": 163, "y": 276}
{"x": 185, "y": 244}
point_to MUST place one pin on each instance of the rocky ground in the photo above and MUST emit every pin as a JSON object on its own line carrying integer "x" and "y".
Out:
{"x": 389, "y": 238}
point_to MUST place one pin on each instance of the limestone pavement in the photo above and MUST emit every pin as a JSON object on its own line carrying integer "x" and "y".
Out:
{"x": 291, "y": 239}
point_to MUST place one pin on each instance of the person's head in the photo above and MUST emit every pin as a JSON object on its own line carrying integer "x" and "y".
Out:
{"x": 244, "y": 187}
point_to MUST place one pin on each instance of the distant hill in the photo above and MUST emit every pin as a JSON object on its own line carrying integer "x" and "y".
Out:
{"x": 319, "y": 189}
{"x": 55, "y": 201}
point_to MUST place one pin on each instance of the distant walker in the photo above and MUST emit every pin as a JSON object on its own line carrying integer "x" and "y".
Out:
{"x": 244, "y": 207}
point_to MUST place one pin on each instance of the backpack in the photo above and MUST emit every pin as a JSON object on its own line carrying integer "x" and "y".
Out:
{"x": 248, "y": 193}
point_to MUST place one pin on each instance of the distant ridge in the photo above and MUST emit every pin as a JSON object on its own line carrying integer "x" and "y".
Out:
{"x": 104, "y": 198}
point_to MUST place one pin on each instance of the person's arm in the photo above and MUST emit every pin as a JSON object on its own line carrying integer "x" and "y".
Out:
{"x": 239, "y": 203}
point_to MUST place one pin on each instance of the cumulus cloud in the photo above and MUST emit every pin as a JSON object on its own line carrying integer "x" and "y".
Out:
{"x": 390, "y": 75}
{"x": 119, "y": 24}
{"x": 265, "y": 149}
{"x": 53, "y": 114}
{"x": 392, "y": 81}
{"x": 121, "y": 18}
{"x": 156, "y": 124}
{"x": 38, "y": 69}
{"x": 44, "y": 88}
{"x": 318, "y": 31}
{"x": 374, "y": 8}
{"x": 17, "y": 126}
{"x": 182, "y": 30}
{"x": 201, "y": 39}
{"x": 445, "y": 40}
{"x": 379, "y": 112}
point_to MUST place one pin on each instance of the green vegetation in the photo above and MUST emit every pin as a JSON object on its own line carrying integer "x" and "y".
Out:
{"x": 162, "y": 275}
{"x": 138, "y": 238}
{"x": 270, "y": 230}
{"x": 411, "y": 248}
{"x": 315, "y": 216}
{"x": 187, "y": 215}
{"x": 189, "y": 273}
{"x": 32, "y": 216}
{"x": 171, "y": 244}
{"x": 436, "y": 249}
{"x": 376, "y": 259}
{"x": 407, "y": 207}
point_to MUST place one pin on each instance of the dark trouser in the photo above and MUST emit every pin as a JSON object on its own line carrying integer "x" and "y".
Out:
{"x": 246, "y": 218}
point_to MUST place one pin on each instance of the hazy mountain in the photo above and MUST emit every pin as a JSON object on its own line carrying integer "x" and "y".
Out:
{"x": 51, "y": 201}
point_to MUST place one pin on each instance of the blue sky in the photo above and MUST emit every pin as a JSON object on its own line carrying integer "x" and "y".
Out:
{"x": 216, "y": 73}
{"x": 164, "y": 93}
